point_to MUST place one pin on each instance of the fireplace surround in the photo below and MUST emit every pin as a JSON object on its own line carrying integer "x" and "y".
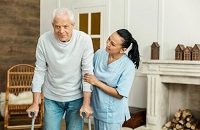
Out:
{"x": 160, "y": 75}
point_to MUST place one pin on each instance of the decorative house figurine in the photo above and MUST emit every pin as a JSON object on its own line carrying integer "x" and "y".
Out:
{"x": 179, "y": 52}
{"x": 155, "y": 50}
{"x": 188, "y": 53}
{"x": 196, "y": 52}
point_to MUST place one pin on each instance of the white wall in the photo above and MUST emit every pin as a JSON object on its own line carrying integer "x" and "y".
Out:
{"x": 143, "y": 24}
{"x": 181, "y": 24}
{"x": 46, "y": 8}
{"x": 169, "y": 22}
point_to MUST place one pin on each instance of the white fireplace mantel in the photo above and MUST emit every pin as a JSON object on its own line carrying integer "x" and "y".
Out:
{"x": 159, "y": 73}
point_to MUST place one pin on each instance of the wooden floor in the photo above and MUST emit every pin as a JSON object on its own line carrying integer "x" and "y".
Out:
{"x": 62, "y": 126}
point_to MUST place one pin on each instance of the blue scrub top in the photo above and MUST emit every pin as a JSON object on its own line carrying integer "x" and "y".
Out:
{"x": 118, "y": 74}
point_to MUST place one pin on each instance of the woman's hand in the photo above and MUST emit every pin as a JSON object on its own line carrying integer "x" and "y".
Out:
{"x": 90, "y": 78}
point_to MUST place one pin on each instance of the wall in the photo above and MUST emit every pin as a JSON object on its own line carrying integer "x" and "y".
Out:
{"x": 46, "y": 13}
{"x": 181, "y": 24}
{"x": 167, "y": 22}
{"x": 19, "y": 31}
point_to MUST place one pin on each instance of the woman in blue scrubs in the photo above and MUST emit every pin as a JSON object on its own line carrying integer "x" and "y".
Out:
{"x": 114, "y": 72}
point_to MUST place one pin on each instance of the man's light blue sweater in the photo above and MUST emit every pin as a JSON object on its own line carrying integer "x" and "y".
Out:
{"x": 60, "y": 66}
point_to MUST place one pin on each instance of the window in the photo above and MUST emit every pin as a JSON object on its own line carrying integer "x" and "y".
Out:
{"x": 90, "y": 22}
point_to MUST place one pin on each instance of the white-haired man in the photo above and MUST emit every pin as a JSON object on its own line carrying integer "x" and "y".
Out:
{"x": 63, "y": 56}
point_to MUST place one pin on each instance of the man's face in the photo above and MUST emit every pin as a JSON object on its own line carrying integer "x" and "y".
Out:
{"x": 63, "y": 28}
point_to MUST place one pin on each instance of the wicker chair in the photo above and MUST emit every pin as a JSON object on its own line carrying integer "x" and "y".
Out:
{"x": 19, "y": 78}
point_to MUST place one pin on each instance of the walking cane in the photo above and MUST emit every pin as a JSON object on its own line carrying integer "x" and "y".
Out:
{"x": 89, "y": 122}
{"x": 33, "y": 120}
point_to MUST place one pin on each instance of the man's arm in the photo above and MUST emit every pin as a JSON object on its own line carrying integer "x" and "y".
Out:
{"x": 87, "y": 67}
{"x": 86, "y": 105}
{"x": 35, "y": 105}
{"x": 38, "y": 80}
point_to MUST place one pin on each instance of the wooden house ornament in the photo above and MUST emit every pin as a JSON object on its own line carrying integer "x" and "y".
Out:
{"x": 196, "y": 52}
{"x": 188, "y": 53}
{"x": 155, "y": 50}
{"x": 179, "y": 52}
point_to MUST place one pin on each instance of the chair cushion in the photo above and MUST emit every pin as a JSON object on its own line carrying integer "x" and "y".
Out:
{"x": 22, "y": 98}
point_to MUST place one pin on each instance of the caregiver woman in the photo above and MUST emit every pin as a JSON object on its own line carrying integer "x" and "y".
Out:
{"x": 114, "y": 72}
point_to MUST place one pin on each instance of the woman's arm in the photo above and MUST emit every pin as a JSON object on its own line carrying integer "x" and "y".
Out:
{"x": 107, "y": 89}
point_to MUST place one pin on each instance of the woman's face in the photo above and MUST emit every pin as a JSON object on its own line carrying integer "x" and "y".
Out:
{"x": 114, "y": 44}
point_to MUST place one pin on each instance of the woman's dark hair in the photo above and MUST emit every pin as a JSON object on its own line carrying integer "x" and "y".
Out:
{"x": 133, "y": 54}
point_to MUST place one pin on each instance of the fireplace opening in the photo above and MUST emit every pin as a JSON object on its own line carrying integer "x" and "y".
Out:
{"x": 183, "y": 107}
{"x": 182, "y": 96}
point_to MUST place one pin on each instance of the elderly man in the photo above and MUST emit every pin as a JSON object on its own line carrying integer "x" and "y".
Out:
{"x": 63, "y": 56}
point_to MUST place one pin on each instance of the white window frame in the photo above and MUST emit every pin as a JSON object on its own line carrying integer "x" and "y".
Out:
{"x": 89, "y": 11}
